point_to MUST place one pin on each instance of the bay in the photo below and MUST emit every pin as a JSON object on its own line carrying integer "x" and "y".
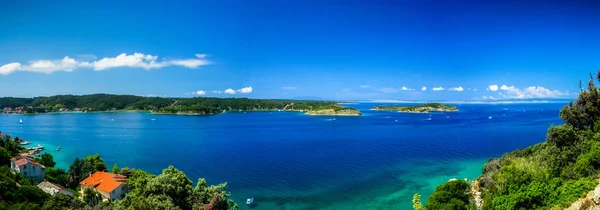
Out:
{"x": 287, "y": 160}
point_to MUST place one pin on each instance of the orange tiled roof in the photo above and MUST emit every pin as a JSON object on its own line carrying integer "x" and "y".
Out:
{"x": 104, "y": 181}
{"x": 20, "y": 160}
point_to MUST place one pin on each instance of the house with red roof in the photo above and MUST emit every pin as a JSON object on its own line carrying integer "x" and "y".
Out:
{"x": 28, "y": 167}
{"x": 110, "y": 186}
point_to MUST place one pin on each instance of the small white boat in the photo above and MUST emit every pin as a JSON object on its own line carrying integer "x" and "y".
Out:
{"x": 428, "y": 119}
{"x": 24, "y": 143}
{"x": 249, "y": 201}
{"x": 153, "y": 119}
{"x": 20, "y": 121}
{"x": 490, "y": 117}
{"x": 58, "y": 148}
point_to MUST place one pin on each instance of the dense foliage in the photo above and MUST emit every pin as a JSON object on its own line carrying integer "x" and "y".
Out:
{"x": 173, "y": 190}
{"x": 169, "y": 190}
{"x": 419, "y": 107}
{"x": 450, "y": 195}
{"x": 554, "y": 173}
{"x": 10, "y": 146}
{"x": 199, "y": 105}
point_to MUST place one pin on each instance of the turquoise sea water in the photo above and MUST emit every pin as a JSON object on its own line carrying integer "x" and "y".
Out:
{"x": 292, "y": 161}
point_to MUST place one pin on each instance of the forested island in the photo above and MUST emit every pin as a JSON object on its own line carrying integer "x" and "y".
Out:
{"x": 421, "y": 108}
{"x": 339, "y": 111}
{"x": 556, "y": 174}
{"x": 158, "y": 105}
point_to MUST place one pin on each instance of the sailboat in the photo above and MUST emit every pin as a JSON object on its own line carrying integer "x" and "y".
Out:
{"x": 20, "y": 121}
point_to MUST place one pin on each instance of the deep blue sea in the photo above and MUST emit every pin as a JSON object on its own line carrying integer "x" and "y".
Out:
{"x": 287, "y": 160}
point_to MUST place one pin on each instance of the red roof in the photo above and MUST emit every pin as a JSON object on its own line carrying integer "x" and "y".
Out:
{"x": 104, "y": 181}
{"x": 20, "y": 160}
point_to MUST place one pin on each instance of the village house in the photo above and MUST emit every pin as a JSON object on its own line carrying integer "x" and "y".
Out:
{"x": 110, "y": 186}
{"x": 53, "y": 189}
{"x": 28, "y": 167}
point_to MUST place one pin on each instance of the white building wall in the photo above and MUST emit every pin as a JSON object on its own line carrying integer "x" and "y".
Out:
{"x": 32, "y": 171}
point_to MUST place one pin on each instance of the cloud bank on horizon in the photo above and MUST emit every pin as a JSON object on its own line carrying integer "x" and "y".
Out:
{"x": 498, "y": 92}
{"x": 231, "y": 91}
{"x": 135, "y": 60}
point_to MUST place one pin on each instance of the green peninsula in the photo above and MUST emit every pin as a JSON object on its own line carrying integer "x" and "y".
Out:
{"x": 421, "y": 108}
{"x": 559, "y": 173}
{"x": 158, "y": 105}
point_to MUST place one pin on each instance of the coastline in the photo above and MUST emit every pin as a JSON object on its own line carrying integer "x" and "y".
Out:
{"x": 192, "y": 114}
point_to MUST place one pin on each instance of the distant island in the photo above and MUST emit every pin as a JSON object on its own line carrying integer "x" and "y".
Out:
{"x": 158, "y": 105}
{"x": 335, "y": 111}
{"x": 421, "y": 108}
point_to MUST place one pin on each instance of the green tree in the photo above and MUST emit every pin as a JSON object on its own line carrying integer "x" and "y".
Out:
{"x": 91, "y": 197}
{"x": 96, "y": 162}
{"x": 57, "y": 175}
{"x": 30, "y": 194}
{"x": 126, "y": 172}
{"x": 47, "y": 160}
{"x": 4, "y": 157}
{"x": 174, "y": 183}
{"x": 78, "y": 170}
{"x": 450, "y": 195}
{"x": 172, "y": 190}
{"x": 63, "y": 202}
{"x": 115, "y": 169}
{"x": 417, "y": 202}
{"x": 215, "y": 196}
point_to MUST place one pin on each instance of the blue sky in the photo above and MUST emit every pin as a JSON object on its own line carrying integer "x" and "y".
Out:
{"x": 346, "y": 50}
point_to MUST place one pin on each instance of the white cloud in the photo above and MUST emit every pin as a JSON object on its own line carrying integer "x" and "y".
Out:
{"x": 136, "y": 60}
{"x": 365, "y": 86}
{"x": 388, "y": 90}
{"x": 232, "y": 91}
{"x": 456, "y": 89}
{"x": 493, "y": 87}
{"x": 48, "y": 66}
{"x": 229, "y": 91}
{"x": 199, "y": 92}
{"x": 438, "y": 89}
{"x": 245, "y": 90}
{"x": 289, "y": 88}
{"x": 404, "y": 88}
{"x": 423, "y": 88}
{"x": 529, "y": 92}
{"x": 9, "y": 68}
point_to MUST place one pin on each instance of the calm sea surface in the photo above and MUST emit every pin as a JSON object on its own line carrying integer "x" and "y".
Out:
{"x": 292, "y": 161}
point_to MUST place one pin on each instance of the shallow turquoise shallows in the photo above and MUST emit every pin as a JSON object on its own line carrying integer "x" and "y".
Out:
{"x": 292, "y": 161}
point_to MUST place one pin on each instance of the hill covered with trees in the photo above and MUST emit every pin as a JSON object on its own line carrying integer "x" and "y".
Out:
{"x": 198, "y": 105}
{"x": 549, "y": 175}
